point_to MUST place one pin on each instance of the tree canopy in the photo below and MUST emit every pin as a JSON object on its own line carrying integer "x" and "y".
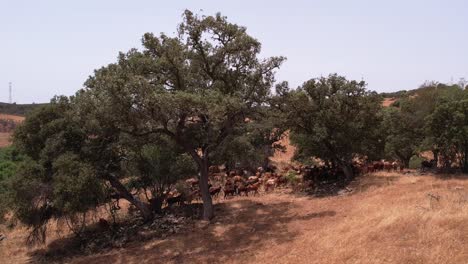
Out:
{"x": 448, "y": 129}
{"x": 197, "y": 88}
{"x": 332, "y": 118}
{"x": 55, "y": 180}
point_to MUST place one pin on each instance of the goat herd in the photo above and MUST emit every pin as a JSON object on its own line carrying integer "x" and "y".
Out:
{"x": 231, "y": 183}
{"x": 244, "y": 182}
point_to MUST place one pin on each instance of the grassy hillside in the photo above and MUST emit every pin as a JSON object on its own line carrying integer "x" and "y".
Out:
{"x": 10, "y": 116}
{"x": 414, "y": 92}
{"x": 385, "y": 218}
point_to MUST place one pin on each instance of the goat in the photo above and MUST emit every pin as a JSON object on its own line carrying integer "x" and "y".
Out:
{"x": 253, "y": 179}
{"x": 237, "y": 179}
{"x": 214, "y": 191}
{"x": 253, "y": 188}
{"x": 270, "y": 184}
{"x": 175, "y": 200}
{"x": 103, "y": 224}
{"x": 242, "y": 189}
{"x": 229, "y": 190}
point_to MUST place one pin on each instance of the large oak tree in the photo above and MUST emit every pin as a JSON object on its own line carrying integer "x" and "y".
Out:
{"x": 198, "y": 88}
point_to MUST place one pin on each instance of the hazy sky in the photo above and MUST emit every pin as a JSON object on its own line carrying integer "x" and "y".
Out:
{"x": 51, "y": 47}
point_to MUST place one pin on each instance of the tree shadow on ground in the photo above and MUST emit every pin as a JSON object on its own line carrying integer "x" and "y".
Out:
{"x": 448, "y": 176}
{"x": 368, "y": 182}
{"x": 241, "y": 228}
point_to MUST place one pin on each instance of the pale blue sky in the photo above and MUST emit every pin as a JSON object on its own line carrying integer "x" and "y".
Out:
{"x": 51, "y": 47}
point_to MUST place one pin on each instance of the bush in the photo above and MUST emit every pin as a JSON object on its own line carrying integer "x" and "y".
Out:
{"x": 292, "y": 178}
{"x": 9, "y": 159}
{"x": 415, "y": 162}
{"x": 182, "y": 188}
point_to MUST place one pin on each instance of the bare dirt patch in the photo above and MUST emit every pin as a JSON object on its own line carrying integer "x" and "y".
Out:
{"x": 388, "y": 102}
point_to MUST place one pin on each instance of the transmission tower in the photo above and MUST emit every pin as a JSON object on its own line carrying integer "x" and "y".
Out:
{"x": 462, "y": 83}
{"x": 10, "y": 101}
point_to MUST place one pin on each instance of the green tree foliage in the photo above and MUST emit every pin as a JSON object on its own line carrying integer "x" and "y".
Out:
{"x": 415, "y": 110}
{"x": 333, "y": 119}
{"x": 402, "y": 135}
{"x": 448, "y": 128}
{"x": 9, "y": 160}
{"x": 155, "y": 168}
{"x": 17, "y": 109}
{"x": 196, "y": 88}
{"x": 54, "y": 181}
{"x": 253, "y": 145}
{"x": 72, "y": 165}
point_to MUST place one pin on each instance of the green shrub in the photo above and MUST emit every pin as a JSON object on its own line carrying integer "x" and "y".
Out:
{"x": 292, "y": 178}
{"x": 415, "y": 162}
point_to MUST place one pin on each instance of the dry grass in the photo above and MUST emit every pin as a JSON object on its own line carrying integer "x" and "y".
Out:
{"x": 284, "y": 157}
{"x": 5, "y": 137}
{"x": 388, "y": 102}
{"x": 388, "y": 218}
{"x": 15, "y": 118}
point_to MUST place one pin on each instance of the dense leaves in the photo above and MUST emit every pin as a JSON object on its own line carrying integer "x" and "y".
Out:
{"x": 402, "y": 135}
{"x": 197, "y": 88}
{"x": 157, "y": 167}
{"x": 448, "y": 128}
{"x": 333, "y": 119}
{"x": 55, "y": 180}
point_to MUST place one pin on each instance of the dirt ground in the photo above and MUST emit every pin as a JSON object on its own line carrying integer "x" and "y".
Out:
{"x": 388, "y": 101}
{"x": 386, "y": 218}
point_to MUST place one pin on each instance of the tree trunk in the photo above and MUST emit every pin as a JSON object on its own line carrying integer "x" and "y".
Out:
{"x": 208, "y": 212}
{"x": 267, "y": 150}
{"x": 406, "y": 161}
{"x": 435, "y": 152}
{"x": 156, "y": 204}
{"x": 348, "y": 171}
{"x": 465, "y": 158}
{"x": 125, "y": 194}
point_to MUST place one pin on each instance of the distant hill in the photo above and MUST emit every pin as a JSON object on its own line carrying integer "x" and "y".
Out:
{"x": 414, "y": 92}
{"x": 17, "y": 109}
{"x": 393, "y": 97}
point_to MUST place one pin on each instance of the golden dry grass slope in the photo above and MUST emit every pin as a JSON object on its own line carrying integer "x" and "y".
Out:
{"x": 387, "y": 218}
{"x": 5, "y": 137}
{"x": 388, "y": 102}
{"x": 15, "y": 118}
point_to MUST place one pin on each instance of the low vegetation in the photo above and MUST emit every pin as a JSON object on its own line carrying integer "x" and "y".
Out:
{"x": 17, "y": 109}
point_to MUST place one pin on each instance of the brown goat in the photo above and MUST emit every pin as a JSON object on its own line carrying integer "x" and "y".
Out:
{"x": 229, "y": 190}
{"x": 179, "y": 199}
{"x": 253, "y": 188}
{"x": 270, "y": 185}
{"x": 242, "y": 189}
{"x": 214, "y": 191}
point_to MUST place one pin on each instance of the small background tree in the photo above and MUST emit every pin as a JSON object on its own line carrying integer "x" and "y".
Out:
{"x": 402, "y": 136}
{"x": 333, "y": 119}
